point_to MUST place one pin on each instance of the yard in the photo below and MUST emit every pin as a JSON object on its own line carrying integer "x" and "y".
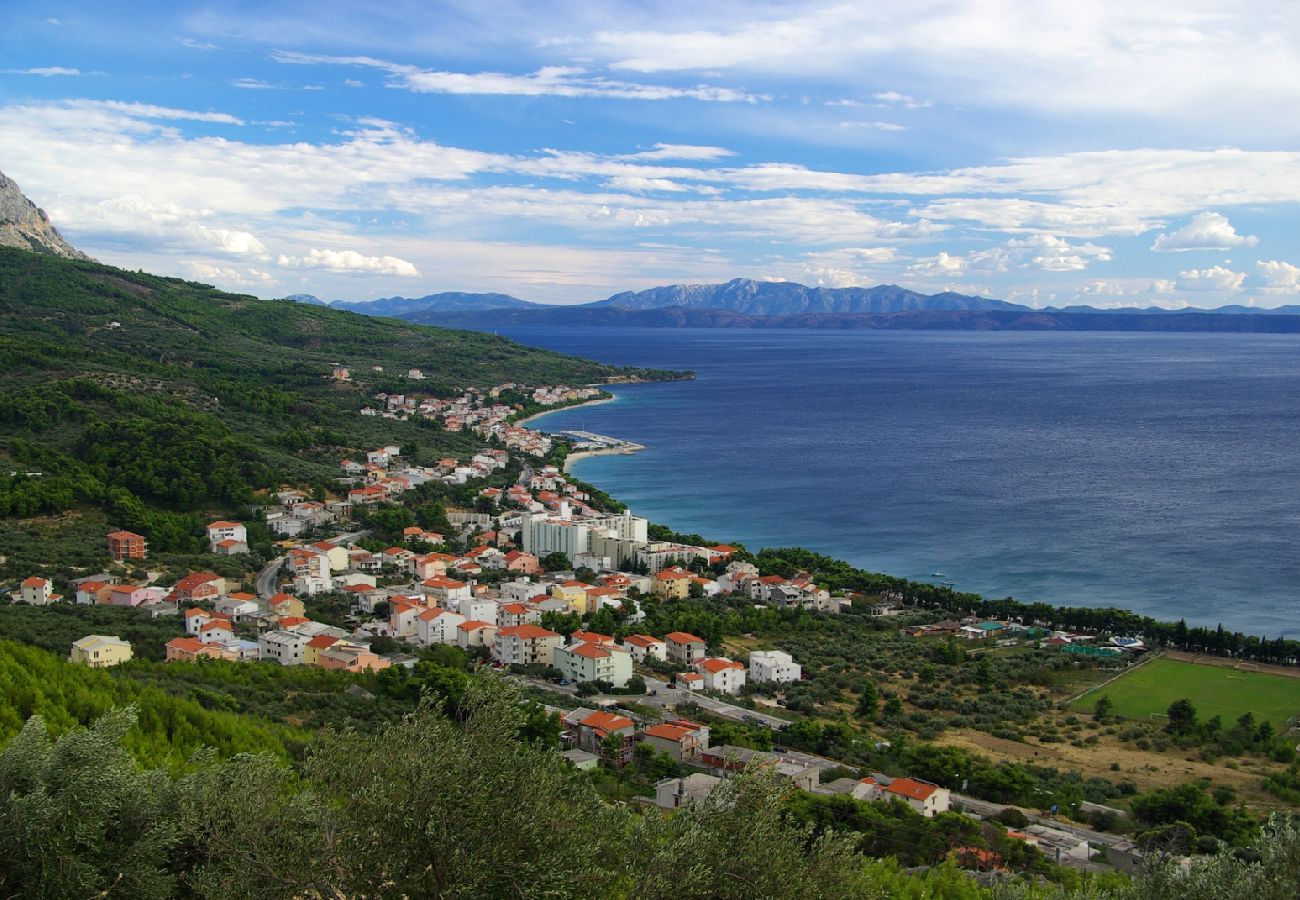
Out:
{"x": 1213, "y": 690}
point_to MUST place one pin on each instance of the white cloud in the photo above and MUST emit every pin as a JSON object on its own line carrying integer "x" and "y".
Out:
{"x": 1279, "y": 277}
{"x": 1216, "y": 278}
{"x": 255, "y": 84}
{"x": 353, "y": 83}
{"x": 1053, "y": 254}
{"x": 148, "y": 111}
{"x": 1206, "y": 231}
{"x": 894, "y": 98}
{"x": 875, "y": 126}
{"x": 548, "y": 81}
{"x": 195, "y": 44}
{"x": 682, "y": 151}
{"x": 44, "y": 71}
{"x": 224, "y": 276}
{"x": 349, "y": 261}
{"x": 943, "y": 265}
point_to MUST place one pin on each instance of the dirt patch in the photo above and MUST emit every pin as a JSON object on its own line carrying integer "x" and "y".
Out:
{"x": 1244, "y": 666}
{"x": 1147, "y": 769}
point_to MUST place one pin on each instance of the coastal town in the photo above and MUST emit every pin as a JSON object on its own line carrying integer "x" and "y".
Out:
{"x": 541, "y": 583}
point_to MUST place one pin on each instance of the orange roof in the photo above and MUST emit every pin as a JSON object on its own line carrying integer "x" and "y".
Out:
{"x": 723, "y": 548}
{"x": 591, "y": 651}
{"x": 412, "y": 529}
{"x": 642, "y": 640}
{"x": 289, "y": 621}
{"x": 607, "y": 722}
{"x": 125, "y": 535}
{"x": 514, "y": 609}
{"x": 279, "y": 598}
{"x": 240, "y": 595}
{"x": 34, "y": 581}
{"x": 576, "y": 584}
{"x": 321, "y": 641}
{"x": 527, "y": 632}
{"x": 188, "y": 644}
{"x": 672, "y": 575}
{"x": 717, "y": 664}
{"x": 222, "y": 524}
{"x": 215, "y": 623}
{"x": 430, "y": 614}
{"x": 195, "y": 611}
{"x": 682, "y": 637}
{"x": 592, "y": 637}
{"x": 913, "y": 790}
{"x": 190, "y": 582}
{"x": 228, "y": 542}
{"x": 91, "y": 586}
{"x": 689, "y": 676}
{"x": 669, "y": 732}
{"x": 474, "y": 625}
{"x": 449, "y": 584}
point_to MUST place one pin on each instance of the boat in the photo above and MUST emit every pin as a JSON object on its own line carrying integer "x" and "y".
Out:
{"x": 938, "y": 575}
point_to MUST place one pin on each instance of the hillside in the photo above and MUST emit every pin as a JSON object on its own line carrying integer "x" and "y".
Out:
{"x": 448, "y": 301}
{"x": 25, "y": 226}
{"x": 153, "y": 398}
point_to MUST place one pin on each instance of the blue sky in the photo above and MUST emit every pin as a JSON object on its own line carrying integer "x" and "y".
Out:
{"x": 1047, "y": 153}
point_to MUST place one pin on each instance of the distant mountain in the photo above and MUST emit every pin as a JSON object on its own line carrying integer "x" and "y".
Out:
{"x": 309, "y": 299}
{"x": 25, "y": 226}
{"x": 449, "y": 301}
{"x": 779, "y": 298}
{"x": 1016, "y": 319}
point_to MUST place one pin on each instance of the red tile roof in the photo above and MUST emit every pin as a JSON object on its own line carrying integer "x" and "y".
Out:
{"x": 715, "y": 664}
{"x": 913, "y": 790}
{"x": 527, "y": 632}
{"x": 590, "y": 651}
{"x": 607, "y": 722}
{"x": 641, "y": 640}
{"x": 682, "y": 637}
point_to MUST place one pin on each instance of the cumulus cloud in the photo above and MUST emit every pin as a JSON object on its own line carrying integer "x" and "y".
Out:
{"x": 224, "y": 276}
{"x": 1279, "y": 277}
{"x": 349, "y": 261}
{"x": 1206, "y": 231}
{"x": 1216, "y": 278}
{"x": 1053, "y": 254}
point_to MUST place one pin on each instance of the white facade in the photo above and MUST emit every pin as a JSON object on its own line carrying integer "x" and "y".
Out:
{"x": 722, "y": 675}
{"x": 773, "y": 665}
{"x": 592, "y": 662}
{"x": 437, "y": 626}
{"x": 285, "y": 647}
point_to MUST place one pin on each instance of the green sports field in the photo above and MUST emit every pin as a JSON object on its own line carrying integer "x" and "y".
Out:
{"x": 1213, "y": 690}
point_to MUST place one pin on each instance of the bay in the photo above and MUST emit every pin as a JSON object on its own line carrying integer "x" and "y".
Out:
{"x": 1155, "y": 472}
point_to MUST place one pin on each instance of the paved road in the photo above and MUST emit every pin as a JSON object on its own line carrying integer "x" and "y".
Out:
{"x": 986, "y": 809}
{"x": 267, "y": 583}
{"x": 666, "y": 696}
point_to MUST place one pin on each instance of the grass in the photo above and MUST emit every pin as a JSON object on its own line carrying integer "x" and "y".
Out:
{"x": 1213, "y": 690}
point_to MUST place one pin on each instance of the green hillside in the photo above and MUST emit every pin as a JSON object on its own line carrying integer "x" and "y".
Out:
{"x": 154, "y": 399}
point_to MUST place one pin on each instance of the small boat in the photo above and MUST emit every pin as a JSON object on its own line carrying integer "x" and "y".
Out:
{"x": 938, "y": 575}
{"x": 947, "y": 583}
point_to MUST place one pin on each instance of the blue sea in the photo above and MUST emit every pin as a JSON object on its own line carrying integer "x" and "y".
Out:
{"x": 1156, "y": 472}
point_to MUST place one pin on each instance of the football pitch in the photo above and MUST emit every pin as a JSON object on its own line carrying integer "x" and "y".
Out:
{"x": 1213, "y": 690}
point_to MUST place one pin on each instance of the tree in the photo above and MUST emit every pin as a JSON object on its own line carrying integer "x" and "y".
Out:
{"x": 1102, "y": 708}
{"x": 868, "y": 702}
{"x": 1182, "y": 717}
{"x": 554, "y": 562}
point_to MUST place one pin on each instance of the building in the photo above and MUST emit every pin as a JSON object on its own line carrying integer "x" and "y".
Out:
{"x": 926, "y": 798}
{"x": 350, "y": 658}
{"x": 99, "y": 651}
{"x": 681, "y": 739}
{"x": 726, "y": 676}
{"x": 188, "y": 649}
{"x": 595, "y": 662}
{"x": 596, "y": 727}
{"x": 685, "y": 649}
{"x": 37, "y": 591}
{"x": 672, "y": 793}
{"x": 437, "y": 626}
{"x": 285, "y": 647}
{"x": 227, "y": 538}
{"x": 524, "y": 645}
{"x": 124, "y": 545}
{"x": 472, "y": 633}
{"x": 643, "y": 647}
{"x": 725, "y": 760}
{"x": 198, "y": 586}
{"x": 773, "y": 665}
{"x": 673, "y": 584}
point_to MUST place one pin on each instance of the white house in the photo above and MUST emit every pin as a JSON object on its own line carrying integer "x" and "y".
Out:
{"x": 437, "y": 626}
{"x": 926, "y": 798}
{"x": 481, "y": 608}
{"x": 227, "y": 538}
{"x": 773, "y": 665}
{"x": 470, "y": 634}
{"x": 37, "y": 591}
{"x": 726, "y": 676}
{"x": 595, "y": 662}
{"x": 526, "y": 645}
{"x": 643, "y": 647}
{"x": 285, "y": 647}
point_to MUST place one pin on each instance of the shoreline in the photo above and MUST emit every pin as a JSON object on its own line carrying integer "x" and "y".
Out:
{"x": 626, "y": 449}
{"x": 559, "y": 409}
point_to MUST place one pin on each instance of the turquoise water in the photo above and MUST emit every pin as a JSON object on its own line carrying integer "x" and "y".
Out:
{"x": 1160, "y": 473}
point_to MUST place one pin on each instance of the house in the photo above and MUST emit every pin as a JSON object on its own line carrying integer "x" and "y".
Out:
{"x": 643, "y": 647}
{"x": 472, "y": 633}
{"x": 725, "y": 760}
{"x": 236, "y": 605}
{"x": 517, "y": 614}
{"x": 351, "y": 658}
{"x": 216, "y": 631}
{"x": 685, "y": 649}
{"x": 123, "y": 545}
{"x": 99, "y": 651}
{"x": 726, "y": 676}
{"x": 37, "y": 591}
{"x": 189, "y": 649}
{"x": 286, "y": 605}
{"x": 196, "y": 618}
{"x": 335, "y": 555}
{"x": 591, "y": 662}
{"x": 591, "y": 637}
{"x": 198, "y": 586}
{"x": 311, "y": 656}
{"x": 525, "y": 645}
{"x": 447, "y": 591}
{"x": 596, "y": 727}
{"x": 673, "y": 583}
{"x": 672, "y": 793}
{"x": 484, "y": 609}
{"x": 681, "y": 739}
{"x": 773, "y": 665}
{"x": 227, "y": 538}
{"x": 691, "y": 681}
{"x": 129, "y": 594}
{"x": 926, "y": 798}
{"x": 93, "y": 592}
{"x": 285, "y": 647}
{"x": 403, "y": 617}
{"x": 437, "y": 626}
{"x": 523, "y": 563}
{"x": 574, "y": 594}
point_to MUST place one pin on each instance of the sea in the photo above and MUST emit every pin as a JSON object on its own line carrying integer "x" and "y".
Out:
{"x": 1154, "y": 472}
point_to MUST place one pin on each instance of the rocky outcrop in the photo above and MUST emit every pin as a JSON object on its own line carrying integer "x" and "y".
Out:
{"x": 26, "y": 226}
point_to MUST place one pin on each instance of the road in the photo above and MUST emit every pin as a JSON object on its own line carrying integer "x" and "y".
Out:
{"x": 267, "y": 584}
{"x": 986, "y": 810}
{"x": 666, "y": 696}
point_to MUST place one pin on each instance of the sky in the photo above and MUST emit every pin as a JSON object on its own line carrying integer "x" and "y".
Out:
{"x": 1047, "y": 153}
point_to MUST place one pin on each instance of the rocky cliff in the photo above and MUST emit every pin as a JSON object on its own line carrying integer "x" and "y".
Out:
{"x": 25, "y": 226}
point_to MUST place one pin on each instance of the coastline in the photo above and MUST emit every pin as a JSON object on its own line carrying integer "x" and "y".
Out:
{"x": 626, "y": 449}
{"x": 559, "y": 409}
